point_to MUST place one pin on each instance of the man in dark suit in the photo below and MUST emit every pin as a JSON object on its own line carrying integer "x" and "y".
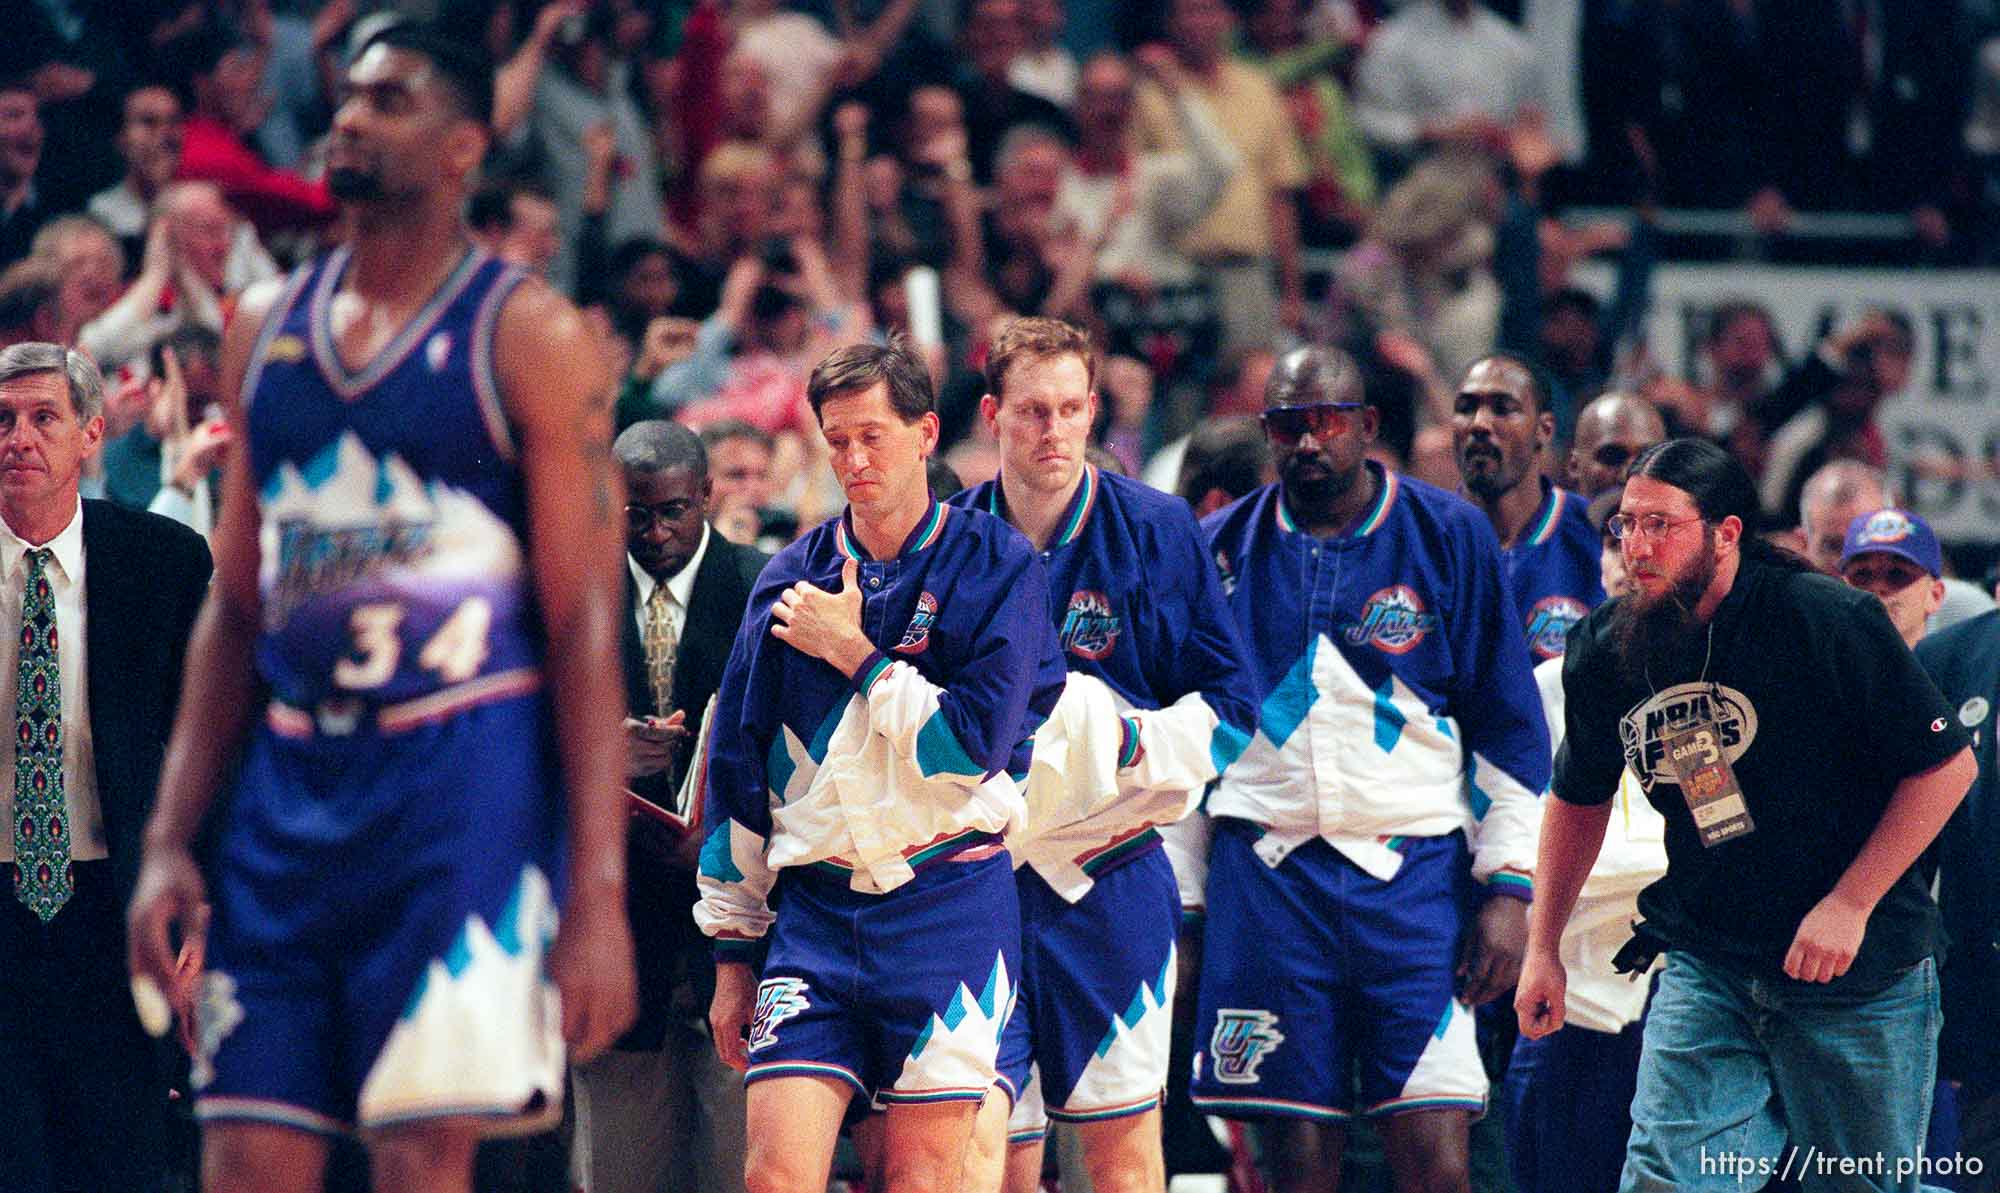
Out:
{"x": 1964, "y": 662}
{"x": 96, "y": 603}
{"x": 660, "y": 1112}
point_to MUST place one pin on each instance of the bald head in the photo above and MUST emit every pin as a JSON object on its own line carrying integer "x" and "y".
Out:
{"x": 1610, "y": 431}
{"x": 1306, "y": 376}
{"x": 1831, "y": 499}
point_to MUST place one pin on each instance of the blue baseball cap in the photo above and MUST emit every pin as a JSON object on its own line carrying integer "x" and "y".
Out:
{"x": 1893, "y": 532}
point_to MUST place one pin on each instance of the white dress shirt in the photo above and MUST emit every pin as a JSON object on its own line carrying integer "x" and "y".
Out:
{"x": 85, "y": 815}
{"x": 680, "y": 587}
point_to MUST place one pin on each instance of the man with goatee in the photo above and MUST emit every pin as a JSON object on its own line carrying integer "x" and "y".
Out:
{"x": 1803, "y": 762}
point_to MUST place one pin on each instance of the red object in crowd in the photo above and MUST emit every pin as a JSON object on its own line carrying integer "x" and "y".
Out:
{"x": 705, "y": 42}
{"x": 272, "y": 199}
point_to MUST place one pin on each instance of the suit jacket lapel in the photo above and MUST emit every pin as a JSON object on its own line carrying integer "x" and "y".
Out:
{"x": 638, "y": 690}
{"x": 707, "y": 635}
{"x": 104, "y": 605}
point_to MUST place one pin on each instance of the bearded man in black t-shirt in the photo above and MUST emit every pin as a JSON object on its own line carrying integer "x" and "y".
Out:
{"x": 1803, "y": 762}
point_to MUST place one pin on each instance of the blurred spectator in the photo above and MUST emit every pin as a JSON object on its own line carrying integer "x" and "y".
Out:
{"x": 1249, "y": 244}
{"x": 1563, "y": 329}
{"x": 164, "y": 462}
{"x": 1445, "y": 72}
{"x": 1735, "y": 405}
{"x": 741, "y": 495}
{"x": 295, "y": 103}
{"x": 1226, "y": 458}
{"x": 1832, "y": 396}
{"x": 739, "y": 197}
{"x": 76, "y": 57}
{"x": 1894, "y": 555}
{"x": 910, "y": 197}
{"x": 149, "y": 141}
{"x": 221, "y": 80}
{"x": 789, "y": 58}
{"x": 22, "y": 212}
{"x": 1423, "y": 270}
{"x": 587, "y": 84}
{"x": 1982, "y": 148}
{"x": 183, "y": 277}
{"x": 1007, "y": 260}
{"x": 30, "y": 302}
{"x": 1340, "y": 186}
{"x": 639, "y": 286}
{"x": 1235, "y": 389}
{"x": 1131, "y": 209}
{"x": 1610, "y": 432}
{"x": 90, "y": 264}
{"x": 992, "y": 38}
{"x": 516, "y": 222}
{"x": 1044, "y": 66}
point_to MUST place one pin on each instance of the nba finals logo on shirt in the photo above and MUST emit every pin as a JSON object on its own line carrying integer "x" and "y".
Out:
{"x": 1090, "y": 628}
{"x": 1393, "y": 620}
{"x": 778, "y": 999}
{"x": 1646, "y": 728}
{"x": 1241, "y": 1041}
{"x": 917, "y": 635}
{"x": 1549, "y": 622}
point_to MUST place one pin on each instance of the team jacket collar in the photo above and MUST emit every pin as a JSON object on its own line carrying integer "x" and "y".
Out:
{"x": 1385, "y": 497}
{"x": 929, "y": 527}
{"x": 1074, "y": 521}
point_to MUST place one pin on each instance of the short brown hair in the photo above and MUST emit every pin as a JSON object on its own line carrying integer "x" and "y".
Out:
{"x": 1035, "y": 338}
{"x": 860, "y": 366}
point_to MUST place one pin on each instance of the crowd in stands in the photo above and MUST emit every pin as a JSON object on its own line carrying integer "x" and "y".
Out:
{"x": 733, "y": 189}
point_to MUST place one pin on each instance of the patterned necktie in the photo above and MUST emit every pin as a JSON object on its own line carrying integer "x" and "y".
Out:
{"x": 662, "y": 643}
{"x": 41, "y": 838}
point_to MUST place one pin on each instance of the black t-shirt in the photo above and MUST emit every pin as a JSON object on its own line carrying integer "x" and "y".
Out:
{"x": 1822, "y": 711}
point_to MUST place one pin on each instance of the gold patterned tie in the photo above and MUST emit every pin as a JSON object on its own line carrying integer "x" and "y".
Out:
{"x": 41, "y": 838}
{"x": 662, "y": 643}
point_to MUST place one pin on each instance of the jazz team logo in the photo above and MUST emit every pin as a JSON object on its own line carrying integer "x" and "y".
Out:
{"x": 778, "y": 999}
{"x": 1089, "y": 628}
{"x": 1549, "y": 622}
{"x": 1393, "y": 620}
{"x": 917, "y": 635}
{"x": 1241, "y": 1041}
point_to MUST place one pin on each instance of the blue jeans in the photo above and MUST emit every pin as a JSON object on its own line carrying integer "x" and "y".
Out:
{"x": 1568, "y": 1102}
{"x": 1743, "y": 1079}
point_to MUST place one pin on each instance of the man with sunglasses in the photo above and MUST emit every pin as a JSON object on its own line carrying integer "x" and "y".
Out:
{"x": 1611, "y": 430}
{"x": 1500, "y": 430}
{"x": 1399, "y": 738}
{"x": 660, "y": 1110}
{"x": 1794, "y": 1028}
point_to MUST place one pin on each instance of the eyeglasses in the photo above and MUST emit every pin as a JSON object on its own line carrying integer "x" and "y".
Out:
{"x": 1650, "y": 526}
{"x": 1289, "y": 424}
{"x": 640, "y": 518}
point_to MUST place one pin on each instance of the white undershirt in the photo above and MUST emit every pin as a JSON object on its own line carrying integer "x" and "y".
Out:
{"x": 680, "y": 587}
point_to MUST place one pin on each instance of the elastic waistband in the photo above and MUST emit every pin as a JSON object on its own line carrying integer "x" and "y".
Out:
{"x": 1109, "y": 856}
{"x": 972, "y": 845}
{"x": 344, "y": 716}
